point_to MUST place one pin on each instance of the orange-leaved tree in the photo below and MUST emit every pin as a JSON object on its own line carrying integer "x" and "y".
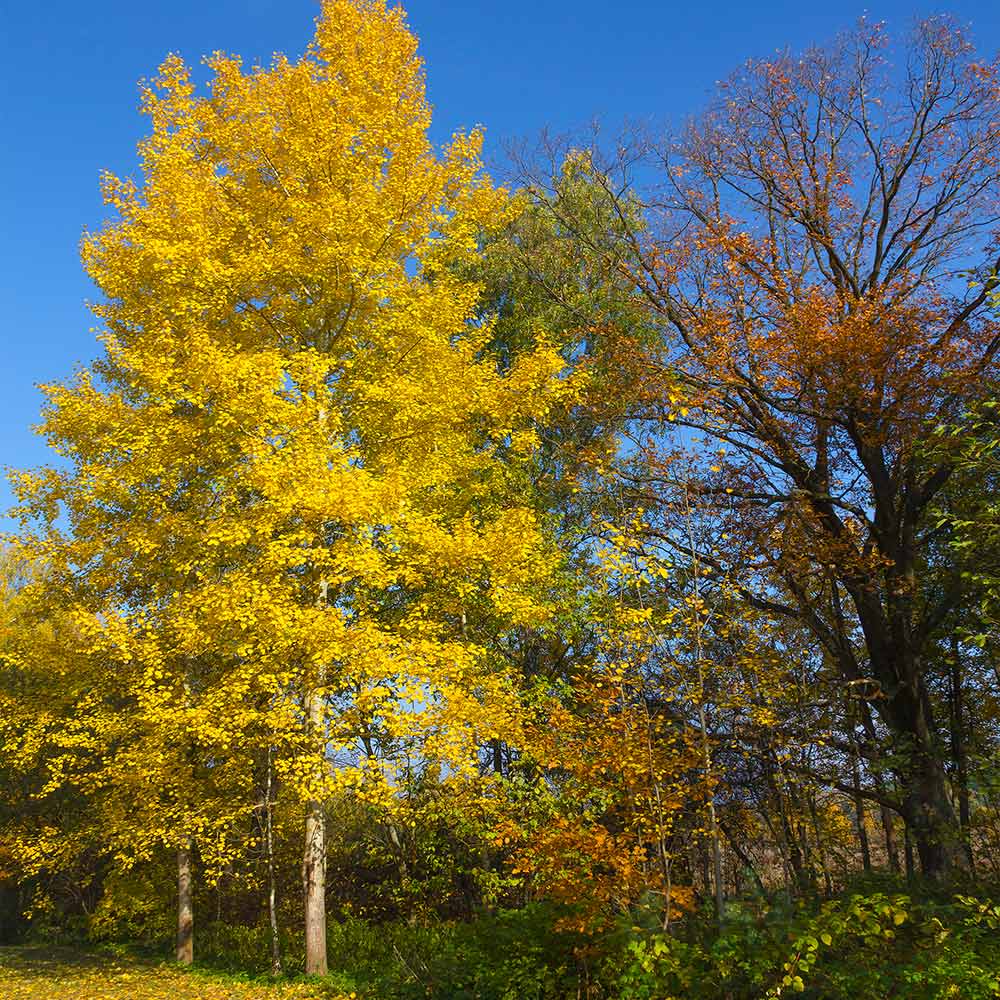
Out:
{"x": 807, "y": 257}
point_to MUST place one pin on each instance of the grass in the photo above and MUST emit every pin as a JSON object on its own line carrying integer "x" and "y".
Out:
{"x": 56, "y": 973}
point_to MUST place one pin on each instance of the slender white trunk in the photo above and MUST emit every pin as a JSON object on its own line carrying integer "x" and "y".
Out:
{"x": 185, "y": 905}
{"x": 272, "y": 909}
{"x": 314, "y": 880}
{"x": 314, "y": 856}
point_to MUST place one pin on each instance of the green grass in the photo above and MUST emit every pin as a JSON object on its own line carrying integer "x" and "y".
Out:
{"x": 55, "y": 973}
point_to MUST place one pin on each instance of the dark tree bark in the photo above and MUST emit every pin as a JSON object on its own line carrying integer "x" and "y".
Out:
{"x": 959, "y": 752}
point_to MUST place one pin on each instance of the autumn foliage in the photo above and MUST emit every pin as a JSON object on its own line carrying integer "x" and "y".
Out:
{"x": 455, "y": 549}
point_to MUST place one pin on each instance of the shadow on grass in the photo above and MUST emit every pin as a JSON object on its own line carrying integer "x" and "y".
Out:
{"x": 51, "y": 963}
{"x": 48, "y": 961}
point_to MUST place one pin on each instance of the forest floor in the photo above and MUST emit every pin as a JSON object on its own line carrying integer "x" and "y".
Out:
{"x": 52, "y": 973}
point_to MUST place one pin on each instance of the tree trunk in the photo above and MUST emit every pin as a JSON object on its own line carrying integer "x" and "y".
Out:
{"x": 788, "y": 847}
{"x": 820, "y": 845}
{"x": 891, "y": 847}
{"x": 930, "y": 817}
{"x": 803, "y": 883}
{"x": 713, "y": 826}
{"x": 314, "y": 872}
{"x": 272, "y": 909}
{"x": 185, "y": 905}
{"x": 859, "y": 814}
{"x": 744, "y": 858}
{"x": 905, "y": 706}
{"x": 314, "y": 856}
{"x": 959, "y": 753}
{"x": 927, "y": 808}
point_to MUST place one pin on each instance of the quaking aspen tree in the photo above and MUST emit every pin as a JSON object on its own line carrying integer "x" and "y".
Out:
{"x": 292, "y": 471}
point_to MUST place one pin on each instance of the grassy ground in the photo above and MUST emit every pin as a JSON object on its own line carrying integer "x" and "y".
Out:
{"x": 34, "y": 973}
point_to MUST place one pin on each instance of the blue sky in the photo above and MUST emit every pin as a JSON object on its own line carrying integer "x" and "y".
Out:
{"x": 68, "y": 80}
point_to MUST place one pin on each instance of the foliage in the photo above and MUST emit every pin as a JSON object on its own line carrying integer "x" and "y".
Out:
{"x": 810, "y": 333}
{"x": 864, "y": 946}
{"x": 970, "y": 513}
{"x": 605, "y": 574}
{"x": 858, "y": 946}
{"x": 507, "y": 955}
{"x": 291, "y": 477}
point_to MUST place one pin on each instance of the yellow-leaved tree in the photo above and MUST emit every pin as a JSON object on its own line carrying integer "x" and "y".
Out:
{"x": 293, "y": 474}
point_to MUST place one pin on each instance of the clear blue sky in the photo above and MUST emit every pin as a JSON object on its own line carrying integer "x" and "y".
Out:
{"x": 69, "y": 70}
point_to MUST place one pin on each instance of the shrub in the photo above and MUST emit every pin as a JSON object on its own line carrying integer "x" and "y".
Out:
{"x": 852, "y": 948}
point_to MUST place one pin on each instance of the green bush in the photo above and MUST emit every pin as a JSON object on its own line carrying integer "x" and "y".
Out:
{"x": 130, "y": 909}
{"x": 860, "y": 946}
{"x": 237, "y": 948}
{"x": 509, "y": 955}
{"x": 853, "y": 948}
